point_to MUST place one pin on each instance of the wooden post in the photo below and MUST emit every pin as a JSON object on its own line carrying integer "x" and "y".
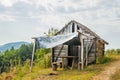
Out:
{"x": 86, "y": 63}
{"x": 62, "y": 63}
{"x": 79, "y": 58}
{"x": 82, "y": 50}
{"x": 73, "y": 61}
{"x": 53, "y": 55}
{"x": 33, "y": 53}
{"x": 79, "y": 51}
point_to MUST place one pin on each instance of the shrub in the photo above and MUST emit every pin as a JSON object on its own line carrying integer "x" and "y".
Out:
{"x": 45, "y": 62}
{"x": 103, "y": 60}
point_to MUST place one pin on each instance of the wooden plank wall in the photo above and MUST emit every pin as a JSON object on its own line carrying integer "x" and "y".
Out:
{"x": 92, "y": 52}
{"x": 96, "y": 50}
{"x": 64, "y": 52}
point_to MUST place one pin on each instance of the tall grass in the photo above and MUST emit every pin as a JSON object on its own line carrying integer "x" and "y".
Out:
{"x": 42, "y": 67}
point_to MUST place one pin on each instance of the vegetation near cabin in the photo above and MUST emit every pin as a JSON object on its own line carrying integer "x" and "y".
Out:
{"x": 15, "y": 65}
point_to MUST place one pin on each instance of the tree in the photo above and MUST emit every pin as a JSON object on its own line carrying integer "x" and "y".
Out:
{"x": 52, "y": 31}
{"x": 25, "y": 52}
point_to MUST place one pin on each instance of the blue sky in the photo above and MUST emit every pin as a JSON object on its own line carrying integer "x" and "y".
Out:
{"x": 22, "y": 19}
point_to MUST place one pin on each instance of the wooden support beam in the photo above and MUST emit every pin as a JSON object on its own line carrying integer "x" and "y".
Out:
{"x": 33, "y": 53}
{"x": 79, "y": 58}
{"x": 79, "y": 53}
{"x": 86, "y": 56}
{"x": 82, "y": 51}
{"x": 85, "y": 35}
{"x": 53, "y": 55}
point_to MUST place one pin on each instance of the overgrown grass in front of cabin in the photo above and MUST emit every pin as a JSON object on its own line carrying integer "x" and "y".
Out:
{"x": 43, "y": 74}
{"x": 42, "y": 69}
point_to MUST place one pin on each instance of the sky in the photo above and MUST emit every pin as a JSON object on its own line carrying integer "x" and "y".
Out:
{"x": 20, "y": 20}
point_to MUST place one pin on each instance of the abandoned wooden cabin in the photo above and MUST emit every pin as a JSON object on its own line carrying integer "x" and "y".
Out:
{"x": 83, "y": 49}
{"x": 74, "y": 45}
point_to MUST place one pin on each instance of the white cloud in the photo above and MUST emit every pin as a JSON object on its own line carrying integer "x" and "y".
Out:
{"x": 7, "y": 18}
{"x": 88, "y": 3}
{"x": 8, "y": 3}
{"x": 51, "y": 4}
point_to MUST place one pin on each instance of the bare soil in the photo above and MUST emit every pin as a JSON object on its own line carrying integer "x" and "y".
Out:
{"x": 108, "y": 71}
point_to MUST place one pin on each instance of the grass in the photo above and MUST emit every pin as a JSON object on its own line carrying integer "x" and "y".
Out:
{"x": 68, "y": 75}
{"x": 43, "y": 74}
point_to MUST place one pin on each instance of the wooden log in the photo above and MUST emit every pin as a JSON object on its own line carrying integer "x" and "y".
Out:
{"x": 79, "y": 58}
{"x": 82, "y": 50}
{"x": 79, "y": 51}
{"x": 33, "y": 53}
{"x": 86, "y": 56}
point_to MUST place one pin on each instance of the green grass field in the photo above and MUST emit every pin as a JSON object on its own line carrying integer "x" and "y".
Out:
{"x": 43, "y": 74}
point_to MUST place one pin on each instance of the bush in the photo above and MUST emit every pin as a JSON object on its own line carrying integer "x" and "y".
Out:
{"x": 43, "y": 58}
{"x": 45, "y": 62}
{"x": 103, "y": 60}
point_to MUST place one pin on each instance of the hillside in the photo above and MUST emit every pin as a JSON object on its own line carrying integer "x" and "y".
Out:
{"x": 107, "y": 67}
{"x": 8, "y": 46}
{"x": 92, "y": 72}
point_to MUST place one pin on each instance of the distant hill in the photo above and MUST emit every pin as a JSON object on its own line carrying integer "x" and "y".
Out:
{"x": 8, "y": 46}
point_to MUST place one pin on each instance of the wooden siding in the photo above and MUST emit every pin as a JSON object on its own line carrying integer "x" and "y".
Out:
{"x": 63, "y": 52}
{"x": 93, "y": 45}
{"x": 92, "y": 54}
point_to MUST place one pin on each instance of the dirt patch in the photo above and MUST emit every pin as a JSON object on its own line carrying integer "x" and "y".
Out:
{"x": 108, "y": 71}
{"x": 49, "y": 76}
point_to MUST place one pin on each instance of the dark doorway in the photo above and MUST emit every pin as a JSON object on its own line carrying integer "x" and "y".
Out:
{"x": 72, "y": 51}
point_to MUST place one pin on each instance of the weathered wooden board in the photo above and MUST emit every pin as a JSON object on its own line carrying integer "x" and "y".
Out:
{"x": 95, "y": 47}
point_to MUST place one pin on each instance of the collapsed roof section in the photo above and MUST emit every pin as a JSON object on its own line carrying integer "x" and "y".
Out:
{"x": 83, "y": 29}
